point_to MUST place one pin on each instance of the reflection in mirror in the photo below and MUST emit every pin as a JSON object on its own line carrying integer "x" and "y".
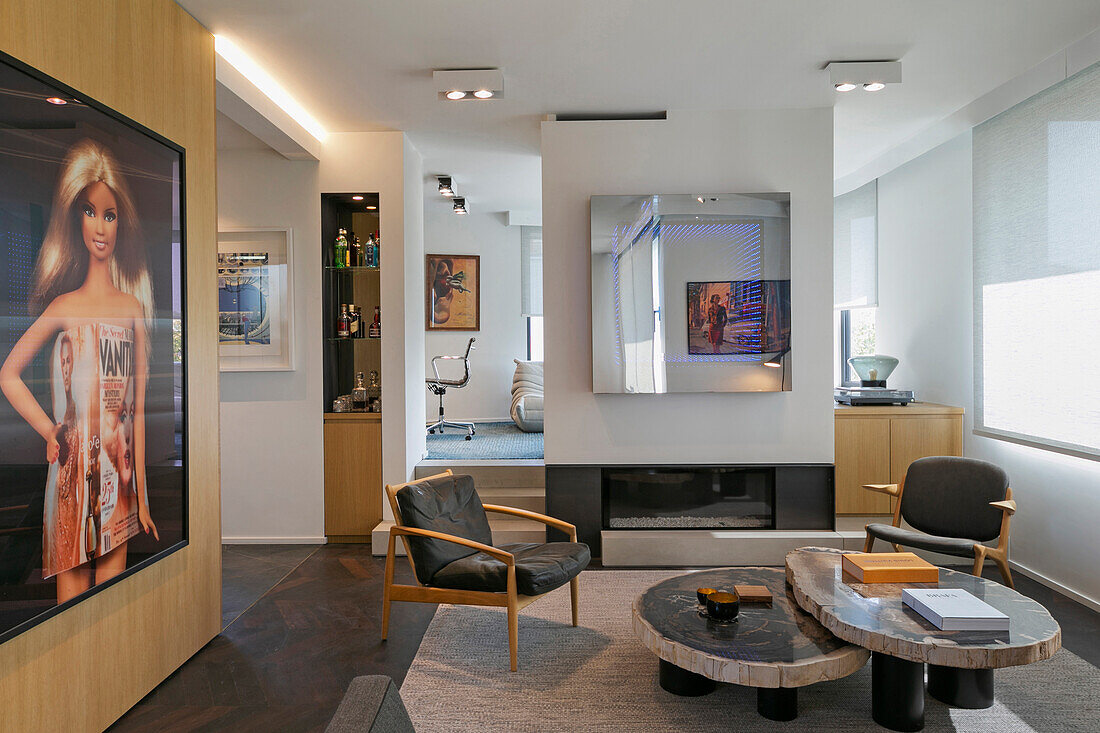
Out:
{"x": 691, "y": 293}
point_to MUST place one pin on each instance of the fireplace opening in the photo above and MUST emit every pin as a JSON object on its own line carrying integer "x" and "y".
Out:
{"x": 689, "y": 497}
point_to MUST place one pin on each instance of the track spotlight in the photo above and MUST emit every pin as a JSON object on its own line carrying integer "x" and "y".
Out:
{"x": 446, "y": 188}
{"x": 460, "y": 205}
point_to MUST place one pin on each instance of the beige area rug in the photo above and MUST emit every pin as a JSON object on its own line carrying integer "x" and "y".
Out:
{"x": 599, "y": 677}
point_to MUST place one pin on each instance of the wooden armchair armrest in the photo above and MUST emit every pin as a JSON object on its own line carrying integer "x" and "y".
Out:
{"x": 505, "y": 557}
{"x": 1007, "y": 506}
{"x": 891, "y": 489}
{"x": 566, "y": 527}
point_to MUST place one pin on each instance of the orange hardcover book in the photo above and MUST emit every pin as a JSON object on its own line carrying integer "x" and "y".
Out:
{"x": 889, "y": 567}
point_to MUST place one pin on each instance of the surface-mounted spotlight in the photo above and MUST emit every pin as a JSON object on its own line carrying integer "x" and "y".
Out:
{"x": 357, "y": 197}
{"x": 776, "y": 361}
{"x": 446, "y": 188}
{"x": 483, "y": 94}
{"x": 460, "y": 205}
{"x": 873, "y": 86}
{"x": 456, "y": 94}
{"x": 56, "y": 100}
{"x": 844, "y": 86}
{"x": 372, "y": 207}
{"x": 456, "y": 84}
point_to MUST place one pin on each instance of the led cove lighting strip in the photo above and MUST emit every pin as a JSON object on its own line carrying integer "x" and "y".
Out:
{"x": 267, "y": 84}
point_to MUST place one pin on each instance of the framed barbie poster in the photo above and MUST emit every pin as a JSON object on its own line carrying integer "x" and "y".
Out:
{"x": 453, "y": 291}
{"x": 92, "y": 368}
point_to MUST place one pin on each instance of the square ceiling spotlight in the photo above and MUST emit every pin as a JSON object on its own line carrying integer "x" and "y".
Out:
{"x": 456, "y": 84}
{"x": 873, "y": 76}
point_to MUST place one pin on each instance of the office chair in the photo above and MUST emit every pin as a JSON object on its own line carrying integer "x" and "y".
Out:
{"x": 439, "y": 386}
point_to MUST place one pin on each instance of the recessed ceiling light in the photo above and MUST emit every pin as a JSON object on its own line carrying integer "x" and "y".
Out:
{"x": 873, "y": 86}
{"x": 846, "y": 86}
{"x": 56, "y": 100}
{"x": 356, "y": 197}
{"x": 699, "y": 199}
{"x": 483, "y": 94}
{"x": 372, "y": 208}
{"x": 456, "y": 94}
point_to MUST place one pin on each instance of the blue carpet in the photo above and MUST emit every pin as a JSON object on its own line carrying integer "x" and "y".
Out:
{"x": 493, "y": 440}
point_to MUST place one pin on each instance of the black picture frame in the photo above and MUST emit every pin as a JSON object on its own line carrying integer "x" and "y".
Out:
{"x": 65, "y": 90}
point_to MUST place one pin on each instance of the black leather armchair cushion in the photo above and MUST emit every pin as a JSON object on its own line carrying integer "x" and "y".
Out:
{"x": 448, "y": 504}
{"x": 899, "y": 535}
{"x": 949, "y": 496}
{"x": 539, "y": 568}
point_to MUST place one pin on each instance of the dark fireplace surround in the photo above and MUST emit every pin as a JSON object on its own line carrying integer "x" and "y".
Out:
{"x": 737, "y": 497}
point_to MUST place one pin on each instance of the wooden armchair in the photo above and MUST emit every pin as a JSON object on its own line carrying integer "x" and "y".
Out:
{"x": 442, "y": 523}
{"x": 956, "y": 504}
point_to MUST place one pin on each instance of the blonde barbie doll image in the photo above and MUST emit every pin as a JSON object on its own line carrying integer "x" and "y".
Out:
{"x": 93, "y": 296}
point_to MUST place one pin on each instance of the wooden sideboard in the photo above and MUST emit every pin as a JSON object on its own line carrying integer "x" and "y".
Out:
{"x": 876, "y": 443}
{"x": 353, "y": 475}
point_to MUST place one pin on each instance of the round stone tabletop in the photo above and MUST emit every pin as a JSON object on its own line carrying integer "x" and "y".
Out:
{"x": 873, "y": 616}
{"x": 769, "y": 645}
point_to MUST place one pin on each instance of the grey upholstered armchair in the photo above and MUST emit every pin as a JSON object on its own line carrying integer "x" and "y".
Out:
{"x": 442, "y": 522}
{"x": 956, "y": 504}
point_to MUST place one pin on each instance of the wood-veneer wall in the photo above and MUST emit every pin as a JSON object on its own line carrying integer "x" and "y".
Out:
{"x": 82, "y": 669}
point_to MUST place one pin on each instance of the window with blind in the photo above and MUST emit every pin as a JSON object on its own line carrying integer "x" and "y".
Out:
{"x": 1037, "y": 269}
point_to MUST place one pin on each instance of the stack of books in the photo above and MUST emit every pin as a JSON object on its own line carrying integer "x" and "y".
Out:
{"x": 953, "y": 609}
{"x": 889, "y": 567}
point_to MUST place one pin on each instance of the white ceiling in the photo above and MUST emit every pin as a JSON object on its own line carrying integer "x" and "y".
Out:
{"x": 366, "y": 65}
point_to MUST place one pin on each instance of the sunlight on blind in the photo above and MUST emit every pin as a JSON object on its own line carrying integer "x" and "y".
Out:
{"x": 1037, "y": 268}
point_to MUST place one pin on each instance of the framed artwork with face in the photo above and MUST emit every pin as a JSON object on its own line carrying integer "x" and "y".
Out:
{"x": 93, "y": 411}
{"x": 453, "y": 292}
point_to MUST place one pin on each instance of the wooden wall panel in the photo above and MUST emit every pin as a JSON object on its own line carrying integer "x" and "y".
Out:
{"x": 82, "y": 669}
{"x": 353, "y": 476}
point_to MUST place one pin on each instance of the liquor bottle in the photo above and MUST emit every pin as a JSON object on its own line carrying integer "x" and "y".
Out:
{"x": 359, "y": 394}
{"x": 376, "y": 327}
{"x": 377, "y": 250}
{"x": 372, "y": 252}
{"x": 343, "y": 323}
{"x": 356, "y": 255}
{"x": 340, "y": 250}
{"x": 356, "y": 321}
{"x": 374, "y": 393}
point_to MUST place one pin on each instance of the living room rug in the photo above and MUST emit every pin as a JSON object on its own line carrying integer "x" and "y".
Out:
{"x": 599, "y": 677}
{"x": 492, "y": 441}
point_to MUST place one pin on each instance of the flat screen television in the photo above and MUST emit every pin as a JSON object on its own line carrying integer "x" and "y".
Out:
{"x": 93, "y": 401}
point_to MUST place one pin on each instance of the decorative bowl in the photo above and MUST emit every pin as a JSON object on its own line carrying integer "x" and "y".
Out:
{"x": 876, "y": 368}
{"x": 702, "y": 593}
{"x": 723, "y": 606}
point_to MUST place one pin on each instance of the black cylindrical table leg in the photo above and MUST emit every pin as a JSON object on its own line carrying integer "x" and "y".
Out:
{"x": 679, "y": 681}
{"x": 897, "y": 692}
{"x": 777, "y": 703}
{"x": 961, "y": 688}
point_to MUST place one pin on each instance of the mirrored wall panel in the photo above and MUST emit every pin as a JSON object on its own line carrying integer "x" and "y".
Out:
{"x": 691, "y": 293}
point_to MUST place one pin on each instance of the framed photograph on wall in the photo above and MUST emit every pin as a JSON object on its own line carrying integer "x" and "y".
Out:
{"x": 93, "y": 388}
{"x": 453, "y": 292}
{"x": 255, "y": 302}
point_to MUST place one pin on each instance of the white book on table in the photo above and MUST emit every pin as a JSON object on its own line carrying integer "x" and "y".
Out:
{"x": 953, "y": 609}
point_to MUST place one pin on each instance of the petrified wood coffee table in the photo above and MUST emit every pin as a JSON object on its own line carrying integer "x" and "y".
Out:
{"x": 775, "y": 647}
{"x": 960, "y": 663}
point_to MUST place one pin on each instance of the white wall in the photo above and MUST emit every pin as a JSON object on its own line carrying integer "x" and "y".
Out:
{"x": 729, "y": 152}
{"x": 503, "y": 334}
{"x": 271, "y": 447}
{"x": 925, "y": 319}
{"x": 271, "y": 431}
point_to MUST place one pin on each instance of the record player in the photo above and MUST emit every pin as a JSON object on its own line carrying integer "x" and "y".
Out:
{"x": 873, "y": 372}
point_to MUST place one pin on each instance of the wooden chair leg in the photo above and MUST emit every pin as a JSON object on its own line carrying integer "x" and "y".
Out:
{"x": 387, "y": 582}
{"x": 574, "y": 587}
{"x": 979, "y": 559}
{"x": 513, "y": 619}
{"x": 1006, "y": 574}
{"x": 870, "y": 543}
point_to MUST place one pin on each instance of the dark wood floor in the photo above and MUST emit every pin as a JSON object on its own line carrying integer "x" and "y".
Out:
{"x": 301, "y": 622}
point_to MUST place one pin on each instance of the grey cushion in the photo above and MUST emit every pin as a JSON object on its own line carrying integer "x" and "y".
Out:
{"x": 371, "y": 704}
{"x": 450, "y": 505}
{"x": 539, "y": 568}
{"x": 950, "y": 497}
{"x": 901, "y": 536}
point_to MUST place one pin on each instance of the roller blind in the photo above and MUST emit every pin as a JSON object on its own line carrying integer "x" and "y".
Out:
{"x": 855, "y": 248}
{"x": 530, "y": 245}
{"x": 1037, "y": 269}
